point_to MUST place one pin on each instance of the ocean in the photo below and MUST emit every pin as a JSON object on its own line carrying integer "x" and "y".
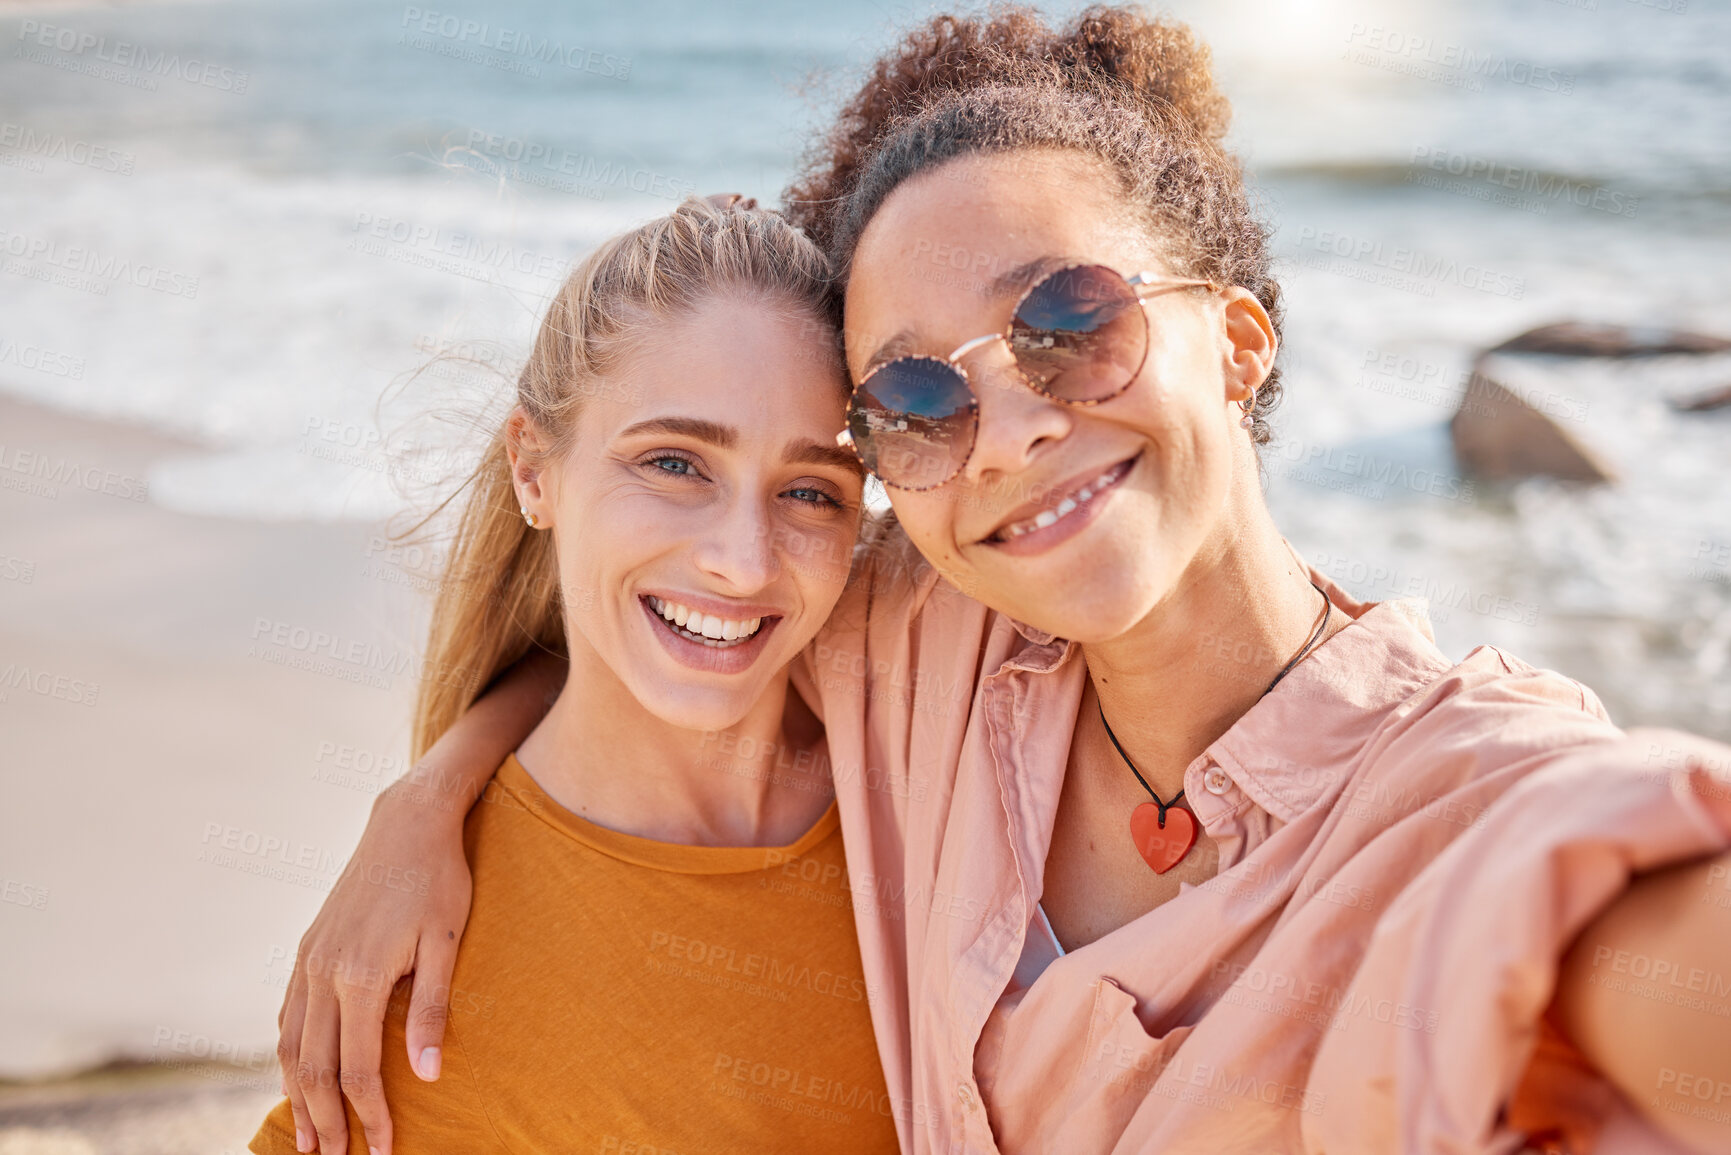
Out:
{"x": 311, "y": 236}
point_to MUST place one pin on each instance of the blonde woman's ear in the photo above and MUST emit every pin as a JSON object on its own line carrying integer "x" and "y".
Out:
{"x": 525, "y": 447}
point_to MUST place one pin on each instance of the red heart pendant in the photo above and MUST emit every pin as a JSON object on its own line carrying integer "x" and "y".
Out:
{"x": 1162, "y": 848}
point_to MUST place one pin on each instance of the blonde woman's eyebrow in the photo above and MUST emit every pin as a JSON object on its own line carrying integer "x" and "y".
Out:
{"x": 721, "y": 436}
{"x": 803, "y": 452}
{"x": 800, "y": 451}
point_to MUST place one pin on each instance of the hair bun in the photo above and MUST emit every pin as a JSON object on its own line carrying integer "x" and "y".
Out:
{"x": 1159, "y": 61}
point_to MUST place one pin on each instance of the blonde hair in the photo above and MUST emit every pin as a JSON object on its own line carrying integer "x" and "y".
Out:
{"x": 500, "y": 595}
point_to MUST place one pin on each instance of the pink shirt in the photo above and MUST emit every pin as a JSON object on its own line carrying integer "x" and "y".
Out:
{"x": 1406, "y": 845}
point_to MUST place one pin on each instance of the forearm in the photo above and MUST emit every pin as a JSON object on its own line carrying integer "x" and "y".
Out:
{"x": 451, "y": 775}
{"x": 1643, "y": 992}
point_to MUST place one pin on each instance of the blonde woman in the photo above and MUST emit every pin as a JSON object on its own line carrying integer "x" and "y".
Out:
{"x": 661, "y": 956}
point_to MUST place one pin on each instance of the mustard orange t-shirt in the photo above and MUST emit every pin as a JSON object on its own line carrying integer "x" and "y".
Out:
{"x": 617, "y": 995}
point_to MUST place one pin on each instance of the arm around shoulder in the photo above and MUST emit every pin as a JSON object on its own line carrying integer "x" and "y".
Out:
{"x": 427, "y": 1118}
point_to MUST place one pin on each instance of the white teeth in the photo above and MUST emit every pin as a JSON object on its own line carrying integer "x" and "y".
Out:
{"x": 703, "y": 627}
{"x": 1066, "y": 507}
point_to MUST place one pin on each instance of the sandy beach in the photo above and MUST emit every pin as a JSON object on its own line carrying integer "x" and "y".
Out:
{"x": 200, "y": 1109}
{"x": 196, "y": 713}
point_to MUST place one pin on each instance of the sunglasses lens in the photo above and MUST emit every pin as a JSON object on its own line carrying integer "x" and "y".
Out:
{"x": 1080, "y": 335}
{"x": 912, "y": 421}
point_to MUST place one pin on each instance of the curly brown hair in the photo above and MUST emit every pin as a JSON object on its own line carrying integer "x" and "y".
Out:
{"x": 1134, "y": 91}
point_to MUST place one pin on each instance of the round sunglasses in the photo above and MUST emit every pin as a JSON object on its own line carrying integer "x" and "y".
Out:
{"x": 1079, "y": 336}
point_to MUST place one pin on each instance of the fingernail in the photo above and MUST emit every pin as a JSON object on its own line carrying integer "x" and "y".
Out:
{"x": 372, "y": 1151}
{"x": 301, "y": 1143}
{"x": 428, "y": 1066}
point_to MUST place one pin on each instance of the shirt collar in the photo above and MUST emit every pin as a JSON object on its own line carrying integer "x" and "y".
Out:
{"x": 1038, "y": 637}
{"x": 1297, "y": 744}
{"x": 1044, "y": 652}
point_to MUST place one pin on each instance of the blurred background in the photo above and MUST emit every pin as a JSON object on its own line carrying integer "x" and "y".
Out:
{"x": 263, "y": 262}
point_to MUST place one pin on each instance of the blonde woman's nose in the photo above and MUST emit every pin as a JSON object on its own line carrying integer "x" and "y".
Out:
{"x": 738, "y": 549}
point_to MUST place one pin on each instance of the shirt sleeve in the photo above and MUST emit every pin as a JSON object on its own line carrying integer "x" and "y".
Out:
{"x": 427, "y": 1118}
{"x": 1478, "y": 936}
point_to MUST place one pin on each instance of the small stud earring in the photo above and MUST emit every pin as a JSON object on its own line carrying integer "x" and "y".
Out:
{"x": 527, "y": 516}
{"x": 1248, "y": 421}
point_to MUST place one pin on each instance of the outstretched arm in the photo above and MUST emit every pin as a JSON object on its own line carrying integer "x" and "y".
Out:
{"x": 1645, "y": 993}
{"x": 368, "y": 936}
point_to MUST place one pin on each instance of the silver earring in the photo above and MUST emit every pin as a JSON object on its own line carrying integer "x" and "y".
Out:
{"x": 1248, "y": 405}
{"x": 527, "y": 516}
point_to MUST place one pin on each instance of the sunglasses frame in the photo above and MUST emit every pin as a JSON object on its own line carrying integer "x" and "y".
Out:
{"x": 1144, "y": 285}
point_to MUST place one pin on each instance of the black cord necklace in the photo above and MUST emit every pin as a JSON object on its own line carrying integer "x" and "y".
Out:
{"x": 1164, "y": 806}
{"x": 1316, "y": 636}
{"x": 1162, "y": 847}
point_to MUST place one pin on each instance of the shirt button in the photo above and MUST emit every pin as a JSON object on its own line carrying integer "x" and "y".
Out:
{"x": 1216, "y": 780}
{"x": 966, "y": 1094}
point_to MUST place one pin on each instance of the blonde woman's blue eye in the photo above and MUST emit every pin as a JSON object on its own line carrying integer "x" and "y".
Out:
{"x": 814, "y": 496}
{"x": 673, "y": 465}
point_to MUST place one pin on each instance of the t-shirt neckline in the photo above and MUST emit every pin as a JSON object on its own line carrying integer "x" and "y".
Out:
{"x": 518, "y": 788}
